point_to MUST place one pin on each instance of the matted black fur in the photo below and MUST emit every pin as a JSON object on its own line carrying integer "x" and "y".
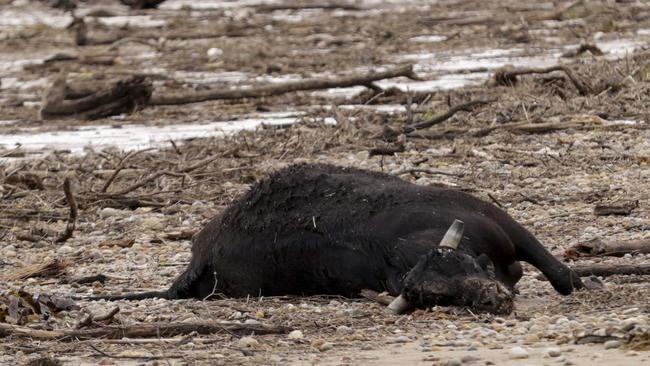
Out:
{"x": 321, "y": 229}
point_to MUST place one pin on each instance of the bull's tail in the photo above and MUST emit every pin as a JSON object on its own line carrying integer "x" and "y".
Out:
{"x": 129, "y": 296}
{"x": 530, "y": 250}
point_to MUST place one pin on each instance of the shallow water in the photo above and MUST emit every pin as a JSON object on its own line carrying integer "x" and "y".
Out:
{"x": 136, "y": 136}
{"x": 443, "y": 70}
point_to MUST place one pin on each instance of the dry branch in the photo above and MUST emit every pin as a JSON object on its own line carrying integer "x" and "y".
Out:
{"x": 517, "y": 127}
{"x": 142, "y": 330}
{"x": 508, "y": 76}
{"x": 72, "y": 219}
{"x": 611, "y": 270}
{"x": 466, "y": 107}
{"x": 600, "y": 248}
{"x": 119, "y": 97}
{"x": 278, "y": 89}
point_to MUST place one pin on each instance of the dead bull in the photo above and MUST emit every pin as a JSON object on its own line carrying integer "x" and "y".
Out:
{"x": 321, "y": 229}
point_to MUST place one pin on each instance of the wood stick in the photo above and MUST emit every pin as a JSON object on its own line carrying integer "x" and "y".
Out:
{"x": 278, "y": 89}
{"x": 466, "y": 107}
{"x": 142, "y": 330}
{"x": 72, "y": 219}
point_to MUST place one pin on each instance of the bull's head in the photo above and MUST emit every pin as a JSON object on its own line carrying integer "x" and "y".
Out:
{"x": 446, "y": 276}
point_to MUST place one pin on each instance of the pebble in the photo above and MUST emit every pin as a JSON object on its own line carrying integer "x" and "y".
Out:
{"x": 518, "y": 353}
{"x": 468, "y": 359}
{"x": 553, "y": 352}
{"x": 296, "y": 334}
{"x": 108, "y": 212}
{"x": 214, "y": 52}
{"x": 248, "y": 342}
{"x": 612, "y": 344}
{"x": 65, "y": 249}
{"x": 343, "y": 329}
{"x": 401, "y": 339}
{"x": 454, "y": 362}
{"x": 326, "y": 346}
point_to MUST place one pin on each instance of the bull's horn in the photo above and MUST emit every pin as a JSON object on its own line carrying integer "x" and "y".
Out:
{"x": 453, "y": 235}
{"x": 399, "y": 305}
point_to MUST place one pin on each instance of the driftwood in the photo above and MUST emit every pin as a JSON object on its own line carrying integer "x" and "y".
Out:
{"x": 386, "y": 150}
{"x": 600, "y": 248}
{"x": 278, "y": 89}
{"x": 508, "y": 76}
{"x": 466, "y": 107}
{"x": 624, "y": 208}
{"x": 72, "y": 219}
{"x": 142, "y": 330}
{"x": 122, "y": 96}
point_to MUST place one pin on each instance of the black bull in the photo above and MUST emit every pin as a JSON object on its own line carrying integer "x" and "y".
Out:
{"x": 320, "y": 229}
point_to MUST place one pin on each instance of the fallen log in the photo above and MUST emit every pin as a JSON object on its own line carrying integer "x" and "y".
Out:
{"x": 601, "y": 248}
{"x": 119, "y": 97}
{"x": 142, "y": 330}
{"x": 196, "y": 96}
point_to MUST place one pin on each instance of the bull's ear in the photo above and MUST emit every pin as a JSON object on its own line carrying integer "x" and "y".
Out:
{"x": 486, "y": 263}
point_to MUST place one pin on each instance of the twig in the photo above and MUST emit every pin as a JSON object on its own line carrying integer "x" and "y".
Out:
{"x": 119, "y": 168}
{"x": 278, "y": 89}
{"x": 427, "y": 171}
{"x": 467, "y": 107}
{"x": 143, "y": 183}
{"x": 72, "y": 219}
